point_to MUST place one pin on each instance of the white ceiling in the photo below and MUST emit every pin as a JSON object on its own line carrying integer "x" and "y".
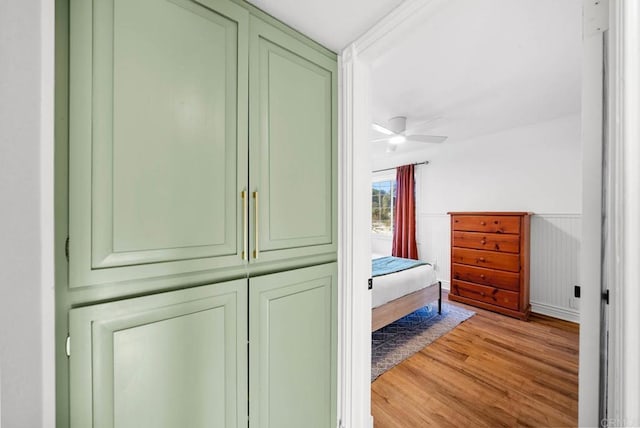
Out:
{"x": 480, "y": 66}
{"x": 473, "y": 68}
{"x": 332, "y": 23}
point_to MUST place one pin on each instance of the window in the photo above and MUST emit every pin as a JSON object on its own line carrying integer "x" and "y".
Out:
{"x": 383, "y": 198}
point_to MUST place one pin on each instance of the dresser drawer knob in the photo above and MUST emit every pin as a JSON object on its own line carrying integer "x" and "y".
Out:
{"x": 482, "y": 276}
{"x": 483, "y": 242}
{"x": 481, "y": 259}
{"x": 482, "y": 223}
{"x": 482, "y": 293}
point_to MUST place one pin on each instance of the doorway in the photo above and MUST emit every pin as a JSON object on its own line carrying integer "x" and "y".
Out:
{"x": 359, "y": 62}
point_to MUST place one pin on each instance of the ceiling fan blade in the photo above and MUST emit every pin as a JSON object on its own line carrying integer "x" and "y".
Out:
{"x": 427, "y": 138}
{"x": 382, "y": 129}
{"x": 379, "y": 140}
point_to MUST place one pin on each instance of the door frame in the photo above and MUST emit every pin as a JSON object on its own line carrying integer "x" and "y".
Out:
{"x": 624, "y": 226}
{"x": 590, "y": 266}
{"x": 354, "y": 236}
{"x": 354, "y": 228}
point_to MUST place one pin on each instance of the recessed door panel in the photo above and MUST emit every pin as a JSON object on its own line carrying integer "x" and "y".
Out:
{"x": 174, "y": 359}
{"x": 172, "y": 159}
{"x": 158, "y": 137}
{"x": 292, "y": 142}
{"x": 292, "y": 348}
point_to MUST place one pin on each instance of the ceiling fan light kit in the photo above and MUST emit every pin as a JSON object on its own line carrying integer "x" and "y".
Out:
{"x": 397, "y": 139}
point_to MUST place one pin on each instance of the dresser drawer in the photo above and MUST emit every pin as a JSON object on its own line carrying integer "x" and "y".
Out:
{"x": 487, "y": 241}
{"x": 482, "y": 223}
{"x": 486, "y": 259}
{"x": 482, "y": 293}
{"x": 496, "y": 278}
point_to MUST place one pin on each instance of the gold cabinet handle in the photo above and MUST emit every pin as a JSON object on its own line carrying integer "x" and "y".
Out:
{"x": 256, "y": 251}
{"x": 245, "y": 225}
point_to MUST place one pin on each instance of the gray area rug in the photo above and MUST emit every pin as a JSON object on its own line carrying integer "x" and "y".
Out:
{"x": 399, "y": 340}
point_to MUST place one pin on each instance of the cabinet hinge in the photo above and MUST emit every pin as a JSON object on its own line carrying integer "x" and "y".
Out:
{"x": 67, "y": 346}
{"x": 66, "y": 248}
{"x": 370, "y": 284}
{"x": 605, "y": 296}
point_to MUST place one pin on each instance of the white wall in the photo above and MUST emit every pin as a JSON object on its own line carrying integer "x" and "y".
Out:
{"x": 535, "y": 168}
{"x": 20, "y": 315}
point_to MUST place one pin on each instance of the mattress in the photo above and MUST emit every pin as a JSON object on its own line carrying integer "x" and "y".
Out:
{"x": 394, "y": 285}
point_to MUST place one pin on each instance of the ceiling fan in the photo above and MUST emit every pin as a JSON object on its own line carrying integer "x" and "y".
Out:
{"x": 396, "y": 133}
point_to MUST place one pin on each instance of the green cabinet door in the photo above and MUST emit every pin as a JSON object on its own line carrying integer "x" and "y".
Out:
{"x": 158, "y": 140}
{"x": 176, "y": 359}
{"x": 293, "y": 168}
{"x": 292, "y": 348}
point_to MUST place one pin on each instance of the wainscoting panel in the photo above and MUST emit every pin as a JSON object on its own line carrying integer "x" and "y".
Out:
{"x": 555, "y": 244}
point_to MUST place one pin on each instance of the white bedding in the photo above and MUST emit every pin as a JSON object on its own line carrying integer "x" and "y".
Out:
{"x": 394, "y": 285}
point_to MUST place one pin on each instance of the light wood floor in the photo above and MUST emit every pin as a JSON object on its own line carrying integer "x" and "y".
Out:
{"x": 490, "y": 371}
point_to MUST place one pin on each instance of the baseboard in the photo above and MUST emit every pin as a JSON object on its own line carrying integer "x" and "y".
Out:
{"x": 566, "y": 314}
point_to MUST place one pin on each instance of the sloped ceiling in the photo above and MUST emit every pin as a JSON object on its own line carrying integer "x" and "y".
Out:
{"x": 332, "y": 23}
{"x": 481, "y": 66}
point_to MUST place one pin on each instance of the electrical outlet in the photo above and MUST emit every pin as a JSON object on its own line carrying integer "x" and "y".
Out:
{"x": 574, "y": 303}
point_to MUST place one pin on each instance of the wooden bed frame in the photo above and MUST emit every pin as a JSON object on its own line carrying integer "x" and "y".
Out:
{"x": 396, "y": 309}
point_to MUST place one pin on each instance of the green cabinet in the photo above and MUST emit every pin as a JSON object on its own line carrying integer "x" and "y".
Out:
{"x": 202, "y": 141}
{"x": 202, "y": 149}
{"x": 158, "y": 139}
{"x": 292, "y": 350}
{"x": 179, "y": 358}
{"x": 293, "y": 162}
{"x": 176, "y": 359}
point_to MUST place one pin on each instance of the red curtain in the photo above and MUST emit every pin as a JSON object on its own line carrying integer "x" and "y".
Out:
{"x": 404, "y": 226}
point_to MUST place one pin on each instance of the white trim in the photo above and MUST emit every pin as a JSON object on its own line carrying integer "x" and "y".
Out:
{"x": 539, "y": 214}
{"x": 590, "y": 245}
{"x": 630, "y": 293}
{"x": 398, "y": 20}
{"x": 433, "y": 215}
{"x": 556, "y": 312}
{"x": 47, "y": 265}
{"x": 344, "y": 262}
{"x": 354, "y": 246}
{"x": 616, "y": 217}
{"x": 624, "y": 350}
{"x": 557, "y": 215}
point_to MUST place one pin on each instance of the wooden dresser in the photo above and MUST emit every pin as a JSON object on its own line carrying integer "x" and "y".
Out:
{"x": 490, "y": 261}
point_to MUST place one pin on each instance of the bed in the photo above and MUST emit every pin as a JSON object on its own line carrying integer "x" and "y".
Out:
{"x": 401, "y": 286}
